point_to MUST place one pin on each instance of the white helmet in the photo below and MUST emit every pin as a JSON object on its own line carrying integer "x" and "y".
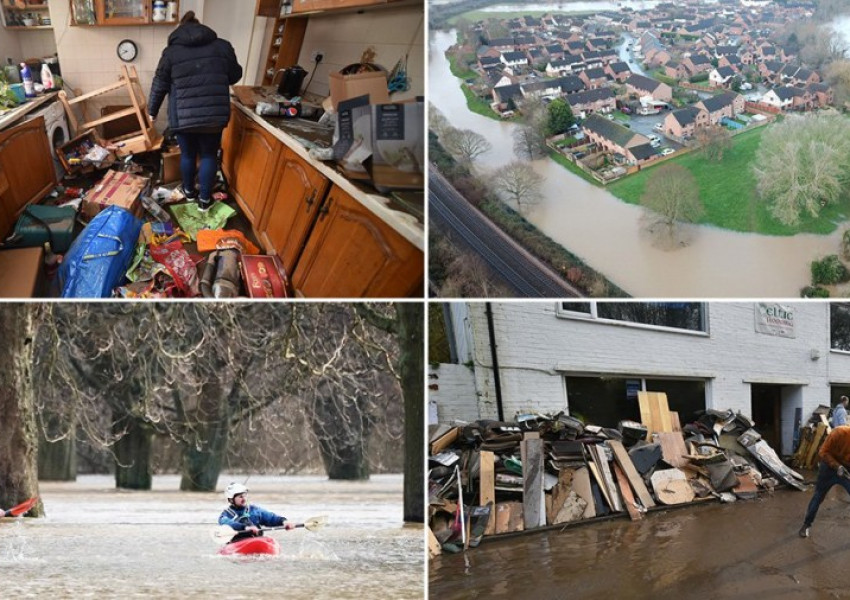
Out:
{"x": 233, "y": 489}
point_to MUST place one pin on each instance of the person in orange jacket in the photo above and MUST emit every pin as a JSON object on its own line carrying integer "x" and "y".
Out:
{"x": 833, "y": 470}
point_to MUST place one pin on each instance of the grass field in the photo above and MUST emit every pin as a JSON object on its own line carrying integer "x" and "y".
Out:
{"x": 728, "y": 192}
{"x": 477, "y": 105}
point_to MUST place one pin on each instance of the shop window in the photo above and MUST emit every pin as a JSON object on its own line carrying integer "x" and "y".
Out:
{"x": 839, "y": 326}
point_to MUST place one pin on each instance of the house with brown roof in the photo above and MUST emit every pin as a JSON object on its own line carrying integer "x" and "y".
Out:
{"x": 640, "y": 86}
{"x": 684, "y": 122}
{"x": 600, "y": 100}
{"x": 613, "y": 138}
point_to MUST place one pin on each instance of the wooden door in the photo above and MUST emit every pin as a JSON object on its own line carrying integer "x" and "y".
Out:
{"x": 293, "y": 204}
{"x": 351, "y": 253}
{"x": 254, "y": 169}
{"x": 26, "y": 169}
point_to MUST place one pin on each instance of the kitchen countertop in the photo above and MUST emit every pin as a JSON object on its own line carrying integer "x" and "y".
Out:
{"x": 405, "y": 224}
{"x": 14, "y": 115}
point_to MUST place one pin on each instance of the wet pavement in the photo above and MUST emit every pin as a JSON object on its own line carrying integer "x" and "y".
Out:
{"x": 747, "y": 549}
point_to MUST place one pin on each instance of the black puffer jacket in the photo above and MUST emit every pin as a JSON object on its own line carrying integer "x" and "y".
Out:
{"x": 196, "y": 70}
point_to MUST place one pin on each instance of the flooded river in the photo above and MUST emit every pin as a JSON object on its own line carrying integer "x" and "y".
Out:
{"x": 605, "y": 232}
{"x": 98, "y": 542}
{"x": 749, "y": 549}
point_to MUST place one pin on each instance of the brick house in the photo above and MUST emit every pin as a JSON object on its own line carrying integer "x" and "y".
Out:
{"x": 612, "y": 137}
{"x": 684, "y": 122}
{"x": 600, "y": 100}
{"x": 641, "y": 85}
{"x": 725, "y": 105}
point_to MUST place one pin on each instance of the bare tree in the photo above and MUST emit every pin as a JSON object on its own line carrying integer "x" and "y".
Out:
{"x": 18, "y": 432}
{"x": 714, "y": 141}
{"x": 465, "y": 144}
{"x": 530, "y": 135}
{"x": 437, "y": 121}
{"x": 803, "y": 164}
{"x": 519, "y": 183}
{"x": 671, "y": 197}
{"x": 838, "y": 76}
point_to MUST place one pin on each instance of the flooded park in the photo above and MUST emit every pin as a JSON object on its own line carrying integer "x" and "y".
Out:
{"x": 99, "y": 542}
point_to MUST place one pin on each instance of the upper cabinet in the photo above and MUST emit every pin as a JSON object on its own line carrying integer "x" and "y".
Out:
{"x": 25, "y": 14}
{"x": 124, "y": 12}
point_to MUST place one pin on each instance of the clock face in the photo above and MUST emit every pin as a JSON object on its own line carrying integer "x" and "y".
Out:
{"x": 127, "y": 50}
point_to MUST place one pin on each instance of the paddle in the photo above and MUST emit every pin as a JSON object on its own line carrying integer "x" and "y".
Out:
{"x": 225, "y": 533}
{"x": 17, "y": 511}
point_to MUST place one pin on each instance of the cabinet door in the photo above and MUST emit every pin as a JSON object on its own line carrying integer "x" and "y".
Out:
{"x": 351, "y": 253}
{"x": 26, "y": 169}
{"x": 254, "y": 169}
{"x": 293, "y": 204}
{"x": 230, "y": 139}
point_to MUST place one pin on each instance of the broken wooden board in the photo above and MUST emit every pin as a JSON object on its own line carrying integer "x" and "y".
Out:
{"x": 674, "y": 420}
{"x": 807, "y": 434}
{"x": 621, "y": 458}
{"x": 581, "y": 486}
{"x": 821, "y": 431}
{"x": 746, "y": 488}
{"x": 445, "y": 440}
{"x": 555, "y": 500}
{"x": 508, "y": 517}
{"x": 572, "y": 509}
{"x": 673, "y": 449}
{"x": 534, "y": 507}
{"x": 434, "y": 548}
{"x": 672, "y": 487}
{"x": 609, "y": 487}
{"x": 487, "y": 493}
{"x": 628, "y": 497}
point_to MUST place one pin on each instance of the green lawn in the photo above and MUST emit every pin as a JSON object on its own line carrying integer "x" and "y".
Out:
{"x": 460, "y": 71}
{"x": 570, "y": 166}
{"x": 477, "y": 105}
{"x": 727, "y": 190}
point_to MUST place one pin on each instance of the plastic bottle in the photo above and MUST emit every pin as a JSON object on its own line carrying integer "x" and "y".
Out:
{"x": 158, "y": 11}
{"x": 46, "y": 77}
{"x": 26, "y": 75}
{"x": 12, "y": 73}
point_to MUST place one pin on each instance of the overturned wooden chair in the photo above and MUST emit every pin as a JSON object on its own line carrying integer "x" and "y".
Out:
{"x": 145, "y": 139}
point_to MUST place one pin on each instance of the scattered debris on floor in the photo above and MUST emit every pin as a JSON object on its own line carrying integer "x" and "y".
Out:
{"x": 492, "y": 477}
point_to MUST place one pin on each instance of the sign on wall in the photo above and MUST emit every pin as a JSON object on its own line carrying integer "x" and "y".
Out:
{"x": 775, "y": 319}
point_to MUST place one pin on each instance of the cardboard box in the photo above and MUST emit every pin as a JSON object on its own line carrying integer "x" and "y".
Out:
{"x": 170, "y": 166}
{"x": 120, "y": 189}
{"x": 398, "y": 145}
{"x": 21, "y": 273}
{"x": 264, "y": 276}
{"x": 373, "y": 84}
{"x": 353, "y": 137}
{"x": 72, "y": 154}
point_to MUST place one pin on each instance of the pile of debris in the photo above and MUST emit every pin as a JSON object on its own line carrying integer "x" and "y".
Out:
{"x": 812, "y": 436}
{"x": 492, "y": 477}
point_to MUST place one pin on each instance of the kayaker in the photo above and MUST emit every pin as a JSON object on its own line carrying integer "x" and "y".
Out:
{"x": 247, "y": 518}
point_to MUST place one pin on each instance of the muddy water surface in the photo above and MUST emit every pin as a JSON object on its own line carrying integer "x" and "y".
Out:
{"x": 749, "y": 549}
{"x": 97, "y": 542}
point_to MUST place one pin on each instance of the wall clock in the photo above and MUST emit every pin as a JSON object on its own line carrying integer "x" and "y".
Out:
{"x": 127, "y": 50}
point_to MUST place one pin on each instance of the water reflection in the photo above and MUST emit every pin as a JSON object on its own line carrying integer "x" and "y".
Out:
{"x": 605, "y": 232}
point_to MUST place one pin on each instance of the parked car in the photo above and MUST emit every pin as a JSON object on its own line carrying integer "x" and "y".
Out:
{"x": 667, "y": 151}
{"x": 654, "y": 140}
{"x": 658, "y": 126}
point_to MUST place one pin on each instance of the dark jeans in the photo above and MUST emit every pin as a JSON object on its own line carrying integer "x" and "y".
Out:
{"x": 827, "y": 477}
{"x": 205, "y": 146}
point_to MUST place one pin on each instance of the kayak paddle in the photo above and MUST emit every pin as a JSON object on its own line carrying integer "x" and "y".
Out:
{"x": 23, "y": 507}
{"x": 225, "y": 533}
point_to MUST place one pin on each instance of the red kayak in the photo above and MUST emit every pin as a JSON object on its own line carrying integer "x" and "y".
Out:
{"x": 254, "y": 545}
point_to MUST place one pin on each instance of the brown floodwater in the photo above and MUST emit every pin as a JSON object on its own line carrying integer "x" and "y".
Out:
{"x": 606, "y": 232}
{"x": 747, "y": 549}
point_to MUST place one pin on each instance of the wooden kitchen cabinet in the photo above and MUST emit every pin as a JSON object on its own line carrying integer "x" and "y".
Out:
{"x": 296, "y": 194}
{"x": 254, "y": 168}
{"x": 26, "y": 170}
{"x": 351, "y": 253}
{"x": 118, "y": 12}
{"x": 230, "y": 139}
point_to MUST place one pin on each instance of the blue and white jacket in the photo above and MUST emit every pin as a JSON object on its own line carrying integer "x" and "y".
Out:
{"x": 239, "y": 519}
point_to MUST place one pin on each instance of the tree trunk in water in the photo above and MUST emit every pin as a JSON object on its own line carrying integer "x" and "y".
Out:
{"x": 57, "y": 461}
{"x": 411, "y": 371}
{"x": 19, "y": 439}
{"x": 133, "y": 454}
{"x": 202, "y": 460}
{"x": 342, "y": 434}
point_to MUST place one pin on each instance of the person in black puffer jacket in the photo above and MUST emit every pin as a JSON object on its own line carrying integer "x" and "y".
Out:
{"x": 196, "y": 71}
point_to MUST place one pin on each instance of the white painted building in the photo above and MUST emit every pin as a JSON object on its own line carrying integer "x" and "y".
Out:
{"x": 772, "y": 362}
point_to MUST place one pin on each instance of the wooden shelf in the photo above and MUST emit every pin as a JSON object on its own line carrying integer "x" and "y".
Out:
{"x": 328, "y": 12}
{"x": 24, "y": 28}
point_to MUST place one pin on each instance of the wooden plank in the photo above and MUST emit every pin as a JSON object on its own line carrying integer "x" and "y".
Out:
{"x": 534, "y": 507}
{"x": 559, "y": 495}
{"x": 628, "y": 498}
{"x": 434, "y": 548}
{"x": 645, "y": 413}
{"x": 621, "y": 457}
{"x": 673, "y": 449}
{"x": 508, "y": 517}
{"x": 607, "y": 478}
{"x": 581, "y": 486}
{"x": 674, "y": 419}
{"x": 487, "y": 487}
{"x": 665, "y": 423}
{"x": 445, "y": 440}
{"x": 820, "y": 432}
{"x": 672, "y": 487}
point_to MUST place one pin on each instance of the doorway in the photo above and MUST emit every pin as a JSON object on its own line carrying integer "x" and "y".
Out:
{"x": 766, "y": 411}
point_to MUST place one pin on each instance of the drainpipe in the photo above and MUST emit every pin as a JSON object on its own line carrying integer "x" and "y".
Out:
{"x": 497, "y": 382}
